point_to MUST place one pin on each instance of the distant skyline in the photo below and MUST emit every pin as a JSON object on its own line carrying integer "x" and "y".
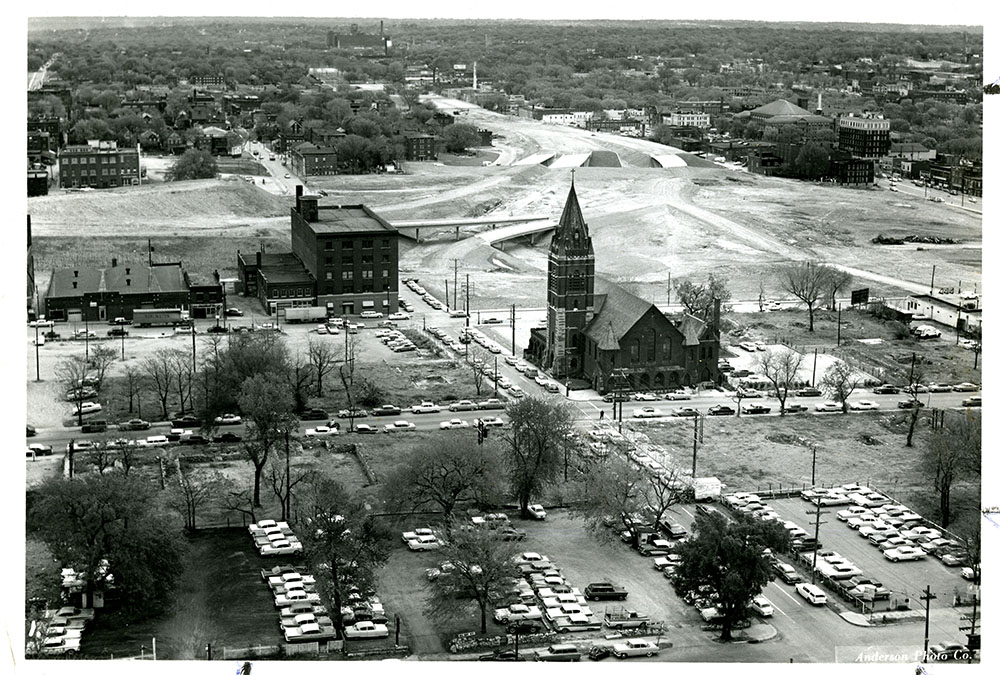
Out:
{"x": 888, "y": 11}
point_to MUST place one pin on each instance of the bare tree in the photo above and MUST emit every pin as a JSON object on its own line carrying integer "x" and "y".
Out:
{"x": 323, "y": 358}
{"x": 184, "y": 379}
{"x": 127, "y": 455}
{"x": 840, "y": 381}
{"x": 300, "y": 379}
{"x": 479, "y": 370}
{"x": 159, "y": 368}
{"x": 781, "y": 367}
{"x": 737, "y": 397}
{"x": 760, "y": 295}
{"x": 133, "y": 387}
{"x": 236, "y": 499}
{"x": 836, "y": 280}
{"x": 71, "y": 372}
{"x": 807, "y": 281}
{"x": 953, "y": 451}
{"x": 266, "y": 403}
{"x": 188, "y": 496}
{"x": 283, "y": 480}
{"x": 101, "y": 358}
{"x": 699, "y": 299}
{"x": 914, "y": 381}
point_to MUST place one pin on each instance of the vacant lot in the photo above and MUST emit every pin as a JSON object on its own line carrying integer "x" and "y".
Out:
{"x": 752, "y": 454}
{"x": 221, "y": 600}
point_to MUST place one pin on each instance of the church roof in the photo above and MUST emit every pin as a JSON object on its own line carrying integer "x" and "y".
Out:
{"x": 615, "y": 312}
{"x": 608, "y": 342}
{"x": 692, "y": 328}
{"x": 571, "y": 236}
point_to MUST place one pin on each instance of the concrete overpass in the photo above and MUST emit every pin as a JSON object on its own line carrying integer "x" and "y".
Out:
{"x": 413, "y": 227}
{"x": 535, "y": 230}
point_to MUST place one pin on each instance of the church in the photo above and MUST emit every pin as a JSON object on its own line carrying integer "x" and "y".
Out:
{"x": 599, "y": 332}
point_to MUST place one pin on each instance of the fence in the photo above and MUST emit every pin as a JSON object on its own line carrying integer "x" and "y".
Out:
{"x": 380, "y": 652}
{"x": 874, "y": 371}
{"x": 229, "y": 653}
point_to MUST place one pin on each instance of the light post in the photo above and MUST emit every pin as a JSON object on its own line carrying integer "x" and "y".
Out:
{"x": 86, "y": 334}
{"x": 38, "y": 372}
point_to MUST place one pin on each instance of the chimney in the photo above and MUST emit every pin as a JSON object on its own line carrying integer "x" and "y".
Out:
{"x": 298, "y": 198}
{"x": 258, "y": 259}
{"x": 381, "y": 26}
{"x": 309, "y": 208}
{"x": 715, "y": 317}
{"x": 76, "y": 273}
{"x": 128, "y": 270}
{"x": 128, "y": 282}
{"x": 114, "y": 262}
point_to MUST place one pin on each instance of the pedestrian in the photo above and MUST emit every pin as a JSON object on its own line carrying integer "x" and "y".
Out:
{"x": 602, "y": 414}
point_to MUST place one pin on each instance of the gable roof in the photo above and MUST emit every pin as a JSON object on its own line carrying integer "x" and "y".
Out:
{"x": 159, "y": 278}
{"x": 615, "y": 312}
{"x": 692, "y": 328}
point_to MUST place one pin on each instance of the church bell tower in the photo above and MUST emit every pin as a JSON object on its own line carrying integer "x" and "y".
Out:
{"x": 571, "y": 290}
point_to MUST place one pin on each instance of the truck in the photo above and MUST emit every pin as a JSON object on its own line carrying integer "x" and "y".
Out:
{"x": 301, "y": 314}
{"x": 160, "y": 317}
{"x": 707, "y": 489}
{"x": 619, "y": 617}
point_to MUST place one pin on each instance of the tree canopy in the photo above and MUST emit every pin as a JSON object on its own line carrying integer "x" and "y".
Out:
{"x": 192, "y": 165}
{"x": 532, "y": 444}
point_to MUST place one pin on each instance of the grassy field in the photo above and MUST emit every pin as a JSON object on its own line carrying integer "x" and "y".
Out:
{"x": 751, "y": 454}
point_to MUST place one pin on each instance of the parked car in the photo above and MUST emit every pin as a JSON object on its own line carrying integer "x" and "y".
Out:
{"x": 228, "y": 418}
{"x": 134, "y": 425}
{"x": 34, "y": 449}
{"x": 910, "y": 403}
{"x": 795, "y": 408}
{"x": 755, "y": 409}
{"x": 647, "y": 413}
{"x": 193, "y": 439}
{"x": 89, "y": 407}
{"x": 886, "y": 389}
{"x": 829, "y": 406}
{"x": 425, "y": 407}
{"x": 364, "y": 630}
{"x": 424, "y": 542}
{"x": 864, "y": 405}
{"x": 634, "y": 647}
{"x": 904, "y": 553}
{"x": 186, "y": 422}
{"x": 965, "y": 386}
{"x": 786, "y": 572}
{"x": 721, "y": 410}
{"x": 973, "y": 402}
{"x": 385, "y": 410}
{"x": 314, "y": 414}
{"x": 678, "y": 395}
{"x": 536, "y": 511}
{"x": 365, "y": 429}
{"x": 454, "y": 424}
{"x": 227, "y": 437}
{"x": 761, "y": 606}
{"x": 684, "y": 412}
{"x": 322, "y": 430}
{"x": 809, "y": 391}
{"x": 559, "y": 652}
{"x": 459, "y": 406}
{"x": 604, "y": 590}
{"x": 234, "y": 311}
{"x": 812, "y": 593}
{"x": 949, "y": 651}
{"x": 646, "y": 396}
{"x": 355, "y": 412}
{"x": 400, "y": 425}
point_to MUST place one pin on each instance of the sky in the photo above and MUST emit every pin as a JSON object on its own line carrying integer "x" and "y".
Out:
{"x": 887, "y": 11}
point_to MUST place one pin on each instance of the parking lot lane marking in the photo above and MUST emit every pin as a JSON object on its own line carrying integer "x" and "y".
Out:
{"x": 790, "y": 597}
{"x": 783, "y": 612}
{"x": 691, "y": 515}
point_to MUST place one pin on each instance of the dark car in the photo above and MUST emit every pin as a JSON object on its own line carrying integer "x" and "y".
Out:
{"x": 910, "y": 403}
{"x": 94, "y": 427}
{"x": 795, "y": 408}
{"x": 754, "y": 409}
{"x": 186, "y": 422}
{"x": 501, "y": 655}
{"x": 886, "y": 389}
{"x": 193, "y": 439}
{"x": 615, "y": 397}
{"x": 809, "y": 391}
{"x": 512, "y": 534}
{"x": 386, "y": 410}
{"x": 217, "y": 329}
{"x": 30, "y": 431}
{"x": 599, "y": 652}
{"x": 134, "y": 425}
{"x": 314, "y": 414}
{"x": 673, "y": 530}
{"x": 721, "y": 410}
{"x": 228, "y": 437}
{"x": 604, "y": 590}
{"x": 526, "y": 627}
{"x": 117, "y": 332}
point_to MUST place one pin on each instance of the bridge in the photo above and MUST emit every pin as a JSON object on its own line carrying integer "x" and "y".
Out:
{"x": 534, "y": 230}
{"x": 406, "y": 227}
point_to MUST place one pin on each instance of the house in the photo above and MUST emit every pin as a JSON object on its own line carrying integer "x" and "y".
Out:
{"x": 307, "y": 159}
{"x": 150, "y": 141}
{"x": 607, "y": 336}
{"x": 206, "y": 295}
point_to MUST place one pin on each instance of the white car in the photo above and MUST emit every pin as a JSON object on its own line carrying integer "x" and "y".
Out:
{"x": 488, "y": 422}
{"x": 424, "y": 542}
{"x": 647, "y": 412}
{"x": 371, "y": 314}
{"x": 679, "y": 395}
{"x": 425, "y": 407}
{"x": 516, "y": 391}
{"x": 864, "y": 405}
{"x": 537, "y": 512}
{"x": 61, "y": 645}
{"x": 634, "y": 647}
{"x": 454, "y": 424}
{"x": 852, "y": 512}
{"x": 41, "y": 323}
{"x": 861, "y": 520}
{"x": 646, "y": 396}
{"x": 282, "y": 547}
{"x": 366, "y": 630}
{"x": 322, "y": 431}
{"x": 516, "y": 613}
{"x": 904, "y": 553}
{"x": 762, "y": 606}
{"x": 88, "y": 407}
{"x": 829, "y": 406}
{"x": 399, "y": 425}
{"x": 229, "y": 418}
{"x": 399, "y": 316}
{"x": 286, "y": 599}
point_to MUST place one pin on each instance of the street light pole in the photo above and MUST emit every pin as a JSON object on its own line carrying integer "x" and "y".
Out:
{"x": 38, "y": 372}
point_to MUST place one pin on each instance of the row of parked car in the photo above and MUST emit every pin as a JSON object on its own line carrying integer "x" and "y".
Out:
{"x": 59, "y": 632}
{"x": 274, "y": 538}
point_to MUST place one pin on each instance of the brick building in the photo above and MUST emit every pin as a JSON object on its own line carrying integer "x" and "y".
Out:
{"x": 351, "y": 252}
{"x": 99, "y": 164}
{"x": 104, "y": 294}
{"x": 419, "y": 147}
{"x": 308, "y": 159}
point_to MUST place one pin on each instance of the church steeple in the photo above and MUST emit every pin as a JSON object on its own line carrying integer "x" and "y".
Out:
{"x": 571, "y": 289}
{"x": 571, "y": 236}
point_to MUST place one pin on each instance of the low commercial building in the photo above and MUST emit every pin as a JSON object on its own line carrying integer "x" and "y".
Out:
{"x": 950, "y": 309}
{"x": 687, "y": 119}
{"x": 274, "y": 276}
{"x": 116, "y": 291}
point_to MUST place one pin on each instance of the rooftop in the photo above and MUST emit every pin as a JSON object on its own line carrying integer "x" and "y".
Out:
{"x": 779, "y": 107}
{"x": 121, "y": 279}
{"x": 349, "y": 219}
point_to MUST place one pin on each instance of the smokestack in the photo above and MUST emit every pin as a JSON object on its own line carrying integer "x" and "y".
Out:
{"x": 114, "y": 262}
{"x": 819, "y": 104}
{"x": 473, "y": 75}
{"x": 381, "y": 24}
{"x": 258, "y": 259}
{"x": 298, "y": 198}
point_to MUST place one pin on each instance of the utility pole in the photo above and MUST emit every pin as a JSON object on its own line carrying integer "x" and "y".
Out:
{"x": 513, "y": 341}
{"x": 927, "y": 597}
{"x": 468, "y": 307}
{"x": 818, "y": 512}
{"x": 699, "y": 436}
{"x": 668, "y": 288}
{"x": 38, "y": 372}
{"x": 194, "y": 350}
{"x": 838, "y": 323}
{"x": 812, "y": 446}
{"x": 815, "y": 357}
{"x": 455, "y": 304}
{"x": 933, "y": 270}
{"x": 495, "y": 375}
{"x": 447, "y": 295}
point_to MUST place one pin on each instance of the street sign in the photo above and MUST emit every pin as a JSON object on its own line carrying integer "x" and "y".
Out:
{"x": 859, "y": 297}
